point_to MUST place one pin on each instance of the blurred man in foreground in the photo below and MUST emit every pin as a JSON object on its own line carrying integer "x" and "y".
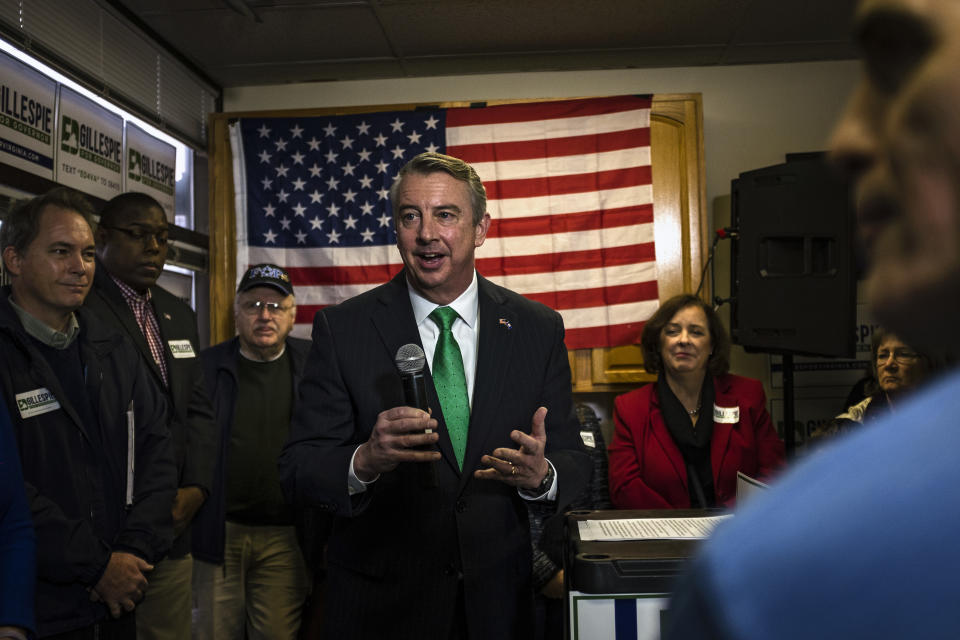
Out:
{"x": 860, "y": 541}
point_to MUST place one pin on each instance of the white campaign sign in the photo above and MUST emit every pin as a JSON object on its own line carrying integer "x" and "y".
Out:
{"x": 89, "y": 146}
{"x": 27, "y": 112}
{"x": 151, "y": 168}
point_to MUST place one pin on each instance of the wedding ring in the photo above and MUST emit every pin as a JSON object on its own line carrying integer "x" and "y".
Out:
{"x": 513, "y": 469}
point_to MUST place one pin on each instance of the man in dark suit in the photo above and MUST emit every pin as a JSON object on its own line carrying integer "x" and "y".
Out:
{"x": 431, "y": 538}
{"x": 131, "y": 251}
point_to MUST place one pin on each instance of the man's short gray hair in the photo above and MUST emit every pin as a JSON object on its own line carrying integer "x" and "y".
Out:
{"x": 431, "y": 162}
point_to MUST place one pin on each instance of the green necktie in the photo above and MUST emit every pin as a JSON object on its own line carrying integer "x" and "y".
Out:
{"x": 450, "y": 382}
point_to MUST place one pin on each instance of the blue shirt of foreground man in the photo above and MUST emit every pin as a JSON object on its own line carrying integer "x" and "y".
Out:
{"x": 861, "y": 540}
{"x": 18, "y": 544}
{"x": 407, "y": 560}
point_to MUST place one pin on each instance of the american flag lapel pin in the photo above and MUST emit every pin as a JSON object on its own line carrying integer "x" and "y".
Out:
{"x": 505, "y": 323}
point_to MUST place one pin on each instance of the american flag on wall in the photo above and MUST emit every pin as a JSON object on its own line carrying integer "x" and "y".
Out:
{"x": 568, "y": 185}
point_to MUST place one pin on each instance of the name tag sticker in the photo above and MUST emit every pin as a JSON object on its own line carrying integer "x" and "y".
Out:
{"x": 36, "y": 402}
{"x": 181, "y": 349}
{"x": 588, "y": 440}
{"x": 726, "y": 415}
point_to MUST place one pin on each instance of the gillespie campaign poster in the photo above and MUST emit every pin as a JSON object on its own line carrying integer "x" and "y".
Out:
{"x": 89, "y": 146}
{"x": 27, "y": 114}
{"x": 151, "y": 167}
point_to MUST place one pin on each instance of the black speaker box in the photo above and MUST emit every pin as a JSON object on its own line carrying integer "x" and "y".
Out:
{"x": 793, "y": 282}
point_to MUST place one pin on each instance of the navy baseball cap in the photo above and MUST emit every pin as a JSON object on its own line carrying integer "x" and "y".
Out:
{"x": 266, "y": 275}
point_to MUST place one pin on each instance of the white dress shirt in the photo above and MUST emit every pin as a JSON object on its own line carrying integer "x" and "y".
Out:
{"x": 465, "y": 329}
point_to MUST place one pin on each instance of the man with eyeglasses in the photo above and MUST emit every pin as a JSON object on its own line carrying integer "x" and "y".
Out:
{"x": 132, "y": 241}
{"x": 246, "y": 534}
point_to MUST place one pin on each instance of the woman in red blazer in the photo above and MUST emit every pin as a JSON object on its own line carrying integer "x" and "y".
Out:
{"x": 678, "y": 443}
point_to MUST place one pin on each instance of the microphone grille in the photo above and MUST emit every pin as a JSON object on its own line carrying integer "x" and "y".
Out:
{"x": 410, "y": 359}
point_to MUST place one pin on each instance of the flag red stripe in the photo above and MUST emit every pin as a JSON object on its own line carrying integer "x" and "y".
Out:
{"x": 584, "y": 221}
{"x": 609, "y": 336}
{"x": 500, "y": 266}
{"x": 576, "y": 183}
{"x": 371, "y": 274}
{"x": 599, "y": 297}
{"x": 305, "y": 312}
{"x": 569, "y": 261}
{"x": 551, "y": 147}
{"x": 531, "y": 111}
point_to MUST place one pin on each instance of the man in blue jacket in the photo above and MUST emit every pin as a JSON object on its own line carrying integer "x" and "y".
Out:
{"x": 91, "y": 428}
{"x": 18, "y": 547}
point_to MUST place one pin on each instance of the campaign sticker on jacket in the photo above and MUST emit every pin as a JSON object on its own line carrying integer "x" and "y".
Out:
{"x": 36, "y": 402}
{"x": 181, "y": 349}
{"x": 588, "y": 439}
{"x": 726, "y": 415}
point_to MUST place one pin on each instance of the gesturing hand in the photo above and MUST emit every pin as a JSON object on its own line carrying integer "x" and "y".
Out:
{"x": 525, "y": 466}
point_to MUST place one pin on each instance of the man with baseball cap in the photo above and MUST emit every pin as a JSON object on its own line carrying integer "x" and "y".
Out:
{"x": 251, "y": 575}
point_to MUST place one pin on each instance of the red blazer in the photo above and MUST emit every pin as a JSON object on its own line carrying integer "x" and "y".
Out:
{"x": 646, "y": 466}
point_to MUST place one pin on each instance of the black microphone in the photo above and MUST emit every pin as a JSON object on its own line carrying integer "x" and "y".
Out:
{"x": 410, "y": 361}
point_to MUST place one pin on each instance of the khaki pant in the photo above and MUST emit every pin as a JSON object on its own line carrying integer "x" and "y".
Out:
{"x": 164, "y": 613}
{"x": 261, "y": 586}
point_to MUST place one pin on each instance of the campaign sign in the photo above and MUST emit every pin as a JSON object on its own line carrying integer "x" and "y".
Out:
{"x": 89, "y": 146}
{"x": 27, "y": 117}
{"x": 151, "y": 167}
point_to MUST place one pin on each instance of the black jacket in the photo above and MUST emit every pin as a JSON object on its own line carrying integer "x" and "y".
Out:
{"x": 191, "y": 417}
{"x": 220, "y": 373}
{"x": 400, "y": 552}
{"x": 76, "y": 473}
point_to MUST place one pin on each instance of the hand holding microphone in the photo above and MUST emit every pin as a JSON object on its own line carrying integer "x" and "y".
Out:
{"x": 402, "y": 434}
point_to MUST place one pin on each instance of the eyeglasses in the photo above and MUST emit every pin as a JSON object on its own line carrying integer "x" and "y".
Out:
{"x": 900, "y": 356}
{"x": 144, "y": 237}
{"x": 254, "y": 307}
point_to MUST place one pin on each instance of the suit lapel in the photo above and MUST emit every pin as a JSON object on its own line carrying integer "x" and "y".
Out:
{"x": 495, "y": 348}
{"x": 396, "y": 325}
{"x": 121, "y": 310}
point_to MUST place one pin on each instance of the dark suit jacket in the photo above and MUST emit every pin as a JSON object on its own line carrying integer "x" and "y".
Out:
{"x": 398, "y": 551}
{"x": 191, "y": 417}
{"x": 647, "y": 470}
